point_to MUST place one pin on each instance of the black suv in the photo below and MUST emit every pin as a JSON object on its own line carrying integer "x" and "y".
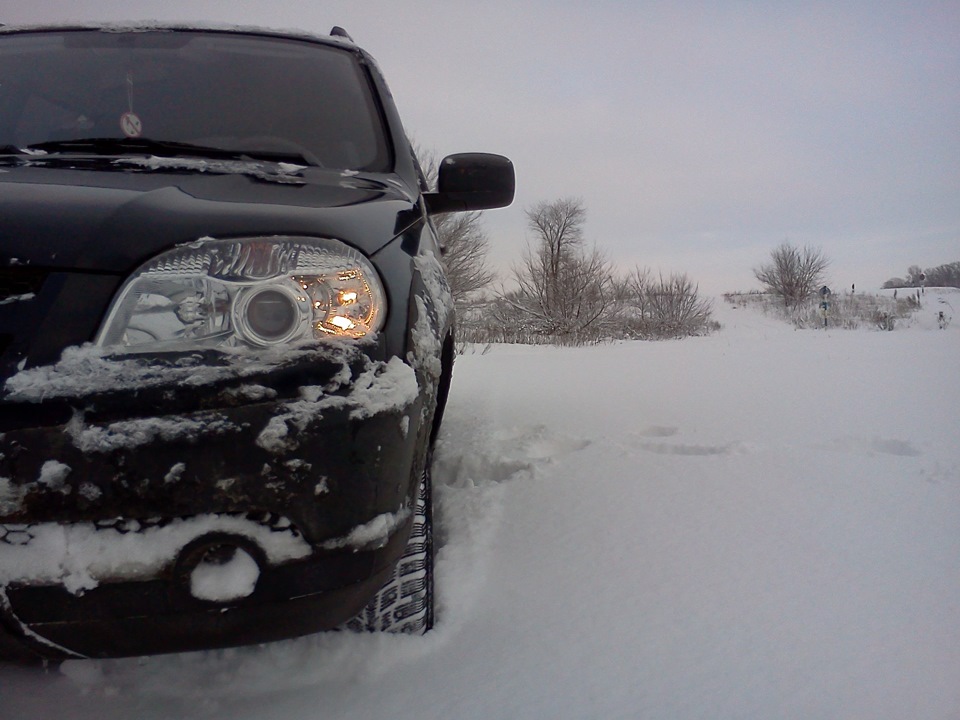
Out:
{"x": 226, "y": 340}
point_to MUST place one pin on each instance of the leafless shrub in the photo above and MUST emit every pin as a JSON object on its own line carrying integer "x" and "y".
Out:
{"x": 884, "y": 320}
{"x": 566, "y": 294}
{"x": 793, "y": 274}
{"x": 666, "y": 307}
{"x": 465, "y": 246}
{"x": 847, "y": 312}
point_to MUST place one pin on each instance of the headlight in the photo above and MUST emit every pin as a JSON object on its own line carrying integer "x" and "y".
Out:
{"x": 255, "y": 292}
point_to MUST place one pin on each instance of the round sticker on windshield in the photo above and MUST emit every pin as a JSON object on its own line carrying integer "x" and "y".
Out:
{"x": 131, "y": 125}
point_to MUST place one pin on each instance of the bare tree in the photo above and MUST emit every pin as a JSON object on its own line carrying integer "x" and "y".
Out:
{"x": 668, "y": 307}
{"x": 946, "y": 275}
{"x": 464, "y": 242}
{"x": 564, "y": 291}
{"x": 558, "y": 228}
{"x": 793, "y": 274}
{"x": 465, "y": 245}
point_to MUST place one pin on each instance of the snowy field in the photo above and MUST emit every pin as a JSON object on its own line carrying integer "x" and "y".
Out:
{"x": 763, "y": 523}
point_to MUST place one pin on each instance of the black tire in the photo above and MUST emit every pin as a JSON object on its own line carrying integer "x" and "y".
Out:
{"x": 405, "y": 602}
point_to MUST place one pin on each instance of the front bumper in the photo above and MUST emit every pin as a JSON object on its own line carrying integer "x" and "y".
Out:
{"x": 160, "y": 615}
{"x": 102, "y": 512}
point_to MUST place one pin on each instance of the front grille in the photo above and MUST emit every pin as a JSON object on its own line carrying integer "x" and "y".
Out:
{"x": 20, "y": 280}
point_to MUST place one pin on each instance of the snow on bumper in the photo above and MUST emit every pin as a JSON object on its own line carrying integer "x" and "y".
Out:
{"x": 79, "y": 556}
{"x": 307, "y": 489}
{"x": 230, "y": 449}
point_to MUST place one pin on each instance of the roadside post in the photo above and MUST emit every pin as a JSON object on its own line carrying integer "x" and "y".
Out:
{"x": 824, "y": 303}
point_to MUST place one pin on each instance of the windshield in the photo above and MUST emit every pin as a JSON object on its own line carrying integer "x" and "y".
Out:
{"x": 241, "y": 93}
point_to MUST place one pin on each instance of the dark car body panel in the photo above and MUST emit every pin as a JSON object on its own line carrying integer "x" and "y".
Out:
{"x": 309, "y": 445}
{"x": 98, "y": 208}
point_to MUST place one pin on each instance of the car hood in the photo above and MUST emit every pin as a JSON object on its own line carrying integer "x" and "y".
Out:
{"x": 112, "y": 216}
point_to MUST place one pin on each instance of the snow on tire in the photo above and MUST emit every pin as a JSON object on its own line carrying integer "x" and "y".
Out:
{"x": 405, "y": 602}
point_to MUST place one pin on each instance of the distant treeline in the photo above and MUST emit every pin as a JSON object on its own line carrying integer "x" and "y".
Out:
{"x": 947, "y": 275}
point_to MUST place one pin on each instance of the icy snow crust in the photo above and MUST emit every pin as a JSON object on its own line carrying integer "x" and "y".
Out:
{"x": 275, "y": 172}
{"x": 88, "y": 370}
{"x": 760, "y": 523}
{"x": 424, "y": 334}
{"x": 128, "y": 434}
{"x": 384, "y": 387}
{"x": 372, "y": 535}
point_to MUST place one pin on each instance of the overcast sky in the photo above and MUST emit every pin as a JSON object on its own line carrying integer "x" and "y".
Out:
{"x": 699, "y": 135}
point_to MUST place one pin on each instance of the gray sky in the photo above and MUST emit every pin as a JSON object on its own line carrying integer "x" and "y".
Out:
{"x": 699, "y": 135}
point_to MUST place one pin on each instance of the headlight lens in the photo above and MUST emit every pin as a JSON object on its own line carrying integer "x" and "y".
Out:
{"x": 255, "y": 292}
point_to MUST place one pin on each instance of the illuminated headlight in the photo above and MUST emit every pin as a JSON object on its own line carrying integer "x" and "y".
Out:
{"x": 254, "y": 292}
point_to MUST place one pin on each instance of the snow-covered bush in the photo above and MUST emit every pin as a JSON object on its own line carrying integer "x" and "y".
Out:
{"x": 844, "y": 311}
{"x": 662, "y": 308}
{"x": 793, "y": 274}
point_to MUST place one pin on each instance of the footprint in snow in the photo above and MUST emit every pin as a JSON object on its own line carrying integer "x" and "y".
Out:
{"x": 734, "y": 448}
{"x": 655, "y": 439}
{"x": 875, "y": 446}
{"x": 540, "y": 444}
{"x": 658, "y": 431}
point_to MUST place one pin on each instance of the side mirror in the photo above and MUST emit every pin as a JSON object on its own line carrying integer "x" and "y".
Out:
{"x": 472, "y": 181}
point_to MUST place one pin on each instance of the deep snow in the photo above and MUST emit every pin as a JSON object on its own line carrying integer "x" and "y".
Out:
{"x": 760, "y": 523}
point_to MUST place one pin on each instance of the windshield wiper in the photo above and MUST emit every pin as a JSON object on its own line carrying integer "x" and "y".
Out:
{"x": 161, "y": 148}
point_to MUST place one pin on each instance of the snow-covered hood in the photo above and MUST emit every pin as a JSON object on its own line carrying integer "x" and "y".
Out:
{"x": 111, "y": 215}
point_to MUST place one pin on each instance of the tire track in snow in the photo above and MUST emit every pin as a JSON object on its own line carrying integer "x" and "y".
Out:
{"x": 473, "y": 463}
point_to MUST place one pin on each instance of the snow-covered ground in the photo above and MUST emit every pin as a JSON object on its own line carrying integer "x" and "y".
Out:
{"x": 763, "y": 523}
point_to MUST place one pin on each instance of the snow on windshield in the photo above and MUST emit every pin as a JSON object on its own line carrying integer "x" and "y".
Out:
{"x": 288, "y": 173}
